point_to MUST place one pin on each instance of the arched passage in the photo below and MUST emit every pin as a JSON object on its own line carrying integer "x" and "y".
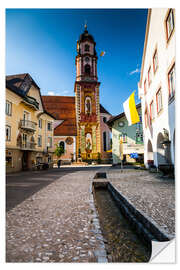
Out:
{"x": 161, "y": 150}
{"x": 150, "y": 159}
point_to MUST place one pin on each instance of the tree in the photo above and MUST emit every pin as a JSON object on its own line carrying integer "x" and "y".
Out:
{"x": 59, "y": 151}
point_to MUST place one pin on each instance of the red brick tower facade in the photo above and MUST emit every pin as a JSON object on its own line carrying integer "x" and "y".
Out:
{"x": 87, "y": 99}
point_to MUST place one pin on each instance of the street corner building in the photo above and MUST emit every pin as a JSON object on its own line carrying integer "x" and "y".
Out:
{"x": 127, "y": 141}
{"x": 29, "y": 127}
{"x": 157, "y": 89}
{"x": 80, "y": 125}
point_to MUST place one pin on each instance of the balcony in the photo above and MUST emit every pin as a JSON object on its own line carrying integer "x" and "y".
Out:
{"x": 27, "y": 146}
{"x": 28, "y": 125}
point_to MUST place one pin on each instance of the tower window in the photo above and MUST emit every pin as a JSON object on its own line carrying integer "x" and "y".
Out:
{"x": 104, "y": 141}
{"x": 104, "y": 119}
{"x": 87, "y": 59}
{"x": 86, "y": 48}
{"x": 87, "y": 69}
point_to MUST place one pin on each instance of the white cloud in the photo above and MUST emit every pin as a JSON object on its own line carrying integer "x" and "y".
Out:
{"x": 51, "y": 93}
{"x": 63, "y": 93}
{"x": 137, "y": 70}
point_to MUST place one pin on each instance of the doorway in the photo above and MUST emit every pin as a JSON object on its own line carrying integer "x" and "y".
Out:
{"x": 25, "y": 161}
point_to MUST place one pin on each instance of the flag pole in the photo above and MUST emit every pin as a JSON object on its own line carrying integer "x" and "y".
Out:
{"x": 121, "y": 154}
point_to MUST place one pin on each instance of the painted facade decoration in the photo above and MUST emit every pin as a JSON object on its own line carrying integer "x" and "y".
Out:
{"x": 29, "y": 128}
{"x": 157, "y": 88}
{"x": 87, "y": 99}
{"x": 131, "y": 137}
{"x": 88, "y": 105}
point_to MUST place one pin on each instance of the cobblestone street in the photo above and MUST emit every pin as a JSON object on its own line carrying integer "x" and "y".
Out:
{"x": 50, "y": 215}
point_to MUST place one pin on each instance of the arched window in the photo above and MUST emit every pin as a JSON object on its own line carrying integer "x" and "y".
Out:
{"x": 87, "y": 105}
{"x": 87, "y": 69}
{"x": 104, "y": 141}
{"x": 86, "y": 48}
{"x": 104, "y": 119}
{"x": 62, "y": 144}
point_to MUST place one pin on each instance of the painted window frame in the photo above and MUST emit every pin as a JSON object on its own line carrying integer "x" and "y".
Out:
{"x": 28, "y": 115}
{"x": 39, "y": 141}
{"x": 146, "y": 118}
{"x": 8, "y": 108}
{"x": 169, "y": 34}
{"x": 152, "y": 110}
{"x": 50, "y": 142}
{"x": 8, "y": 138}
{"x": 155, "y": 67}
{"x": 49, "y": 126}
{"x": 40, "y": 123}
{"x": 171, "y": 91}
{"x": 149, "y": 76}
{"x": 145, "y": 86}
{"x": 157, "y": 101}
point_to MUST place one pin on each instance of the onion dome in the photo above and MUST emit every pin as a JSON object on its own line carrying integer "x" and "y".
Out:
{"x": 86, "y": 35}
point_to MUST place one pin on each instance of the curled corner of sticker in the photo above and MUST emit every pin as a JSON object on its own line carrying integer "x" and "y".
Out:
{"x": 163, "y": 252}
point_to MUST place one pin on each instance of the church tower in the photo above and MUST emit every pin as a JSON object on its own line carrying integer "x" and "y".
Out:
{"x": 87, "y": 99}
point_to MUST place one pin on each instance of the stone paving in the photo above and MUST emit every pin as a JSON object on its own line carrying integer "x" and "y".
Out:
{"x": 56, "y": 222}
{"x": 148, "y": 192}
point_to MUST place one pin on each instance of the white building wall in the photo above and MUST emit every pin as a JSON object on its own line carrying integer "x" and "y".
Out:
{"x": 166, "y": 55}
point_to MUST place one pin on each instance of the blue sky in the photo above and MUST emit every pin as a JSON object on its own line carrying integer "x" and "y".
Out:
{"x": 42, "y": 42}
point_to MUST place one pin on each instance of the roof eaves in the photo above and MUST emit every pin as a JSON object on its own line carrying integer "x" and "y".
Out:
{"x": 145, "y": 44}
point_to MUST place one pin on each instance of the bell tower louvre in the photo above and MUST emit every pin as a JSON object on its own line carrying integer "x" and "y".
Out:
{"x": 87, "y": 99}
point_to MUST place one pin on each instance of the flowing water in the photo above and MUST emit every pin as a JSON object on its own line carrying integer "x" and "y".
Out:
{"x": 123, "y": 244}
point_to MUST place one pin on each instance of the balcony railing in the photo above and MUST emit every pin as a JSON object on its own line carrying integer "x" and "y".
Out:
{"x": 26, "y": 124}
{"x": 27, "y": 145}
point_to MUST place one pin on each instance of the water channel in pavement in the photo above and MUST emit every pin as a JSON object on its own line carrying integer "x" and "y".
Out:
{"x": 123, "y": 244}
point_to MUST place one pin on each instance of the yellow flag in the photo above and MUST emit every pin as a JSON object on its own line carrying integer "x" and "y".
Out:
{"x": 102, "y": 53}
{"x": 130, "y": 110}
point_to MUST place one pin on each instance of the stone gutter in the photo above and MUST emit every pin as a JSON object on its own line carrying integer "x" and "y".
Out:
{"x": 144, "y": 225}
{"x": 99, "y": 254}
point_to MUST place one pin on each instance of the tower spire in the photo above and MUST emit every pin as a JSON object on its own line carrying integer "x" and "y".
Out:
{"x": 85, "y": 25}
